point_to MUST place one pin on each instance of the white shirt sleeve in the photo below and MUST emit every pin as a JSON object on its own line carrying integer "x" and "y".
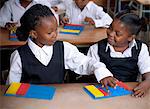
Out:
{"x": 93, "y": 52}
{"x": 83, "y": 65}
{"x": 102, "y": 18}
{"x": 5, "y": 14}
{"x": 61, "y": 6}
{"x": 144, "y": 60}
{"x": 15, "y": 68}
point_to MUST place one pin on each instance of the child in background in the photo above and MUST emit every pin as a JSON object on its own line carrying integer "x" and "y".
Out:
{"x": 124, "y": 55}
{"x": 12, "y": 11}
{"x": 86, "y": 11}
{"x": 42, "y": 60}
{"x": 60, "y": 4}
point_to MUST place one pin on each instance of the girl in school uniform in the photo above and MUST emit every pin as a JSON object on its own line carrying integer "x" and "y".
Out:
{"x": 42, "y": 60}
{"x": 124, "y": 55}
{"x": 86, "y": 11}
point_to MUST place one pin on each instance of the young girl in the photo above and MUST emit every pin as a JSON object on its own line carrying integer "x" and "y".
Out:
{"x": 122, "y": 54}
{"x": 43, "y": 59}
{"x": 81, "y": 11}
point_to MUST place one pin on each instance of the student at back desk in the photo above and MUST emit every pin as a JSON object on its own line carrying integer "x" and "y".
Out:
{"x": 86, "y": 11}
{"x": 12, "y": 11}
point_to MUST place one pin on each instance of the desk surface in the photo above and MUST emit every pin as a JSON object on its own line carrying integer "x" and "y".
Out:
{"x": 87, "y": 37}
{"x": 72, "y": 96}
{"x": 144, "y": 2}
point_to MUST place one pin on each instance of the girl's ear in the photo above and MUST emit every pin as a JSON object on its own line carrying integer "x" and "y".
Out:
{"x": 33, "y": 34}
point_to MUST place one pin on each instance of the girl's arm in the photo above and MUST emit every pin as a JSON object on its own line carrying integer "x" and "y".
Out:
{"x": 144, "y": 68}
{"x": 83, "y": 65}
{"x": 102, "y": 19}
{"x": 15, "y": 68}
{"x": 5, "y": 14}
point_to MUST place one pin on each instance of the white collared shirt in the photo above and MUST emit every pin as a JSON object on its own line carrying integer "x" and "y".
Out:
{"x": 12, "y": 11}
{"x": 73, "y": 60}
{"x": 91, "y": 10}
{"x": 143, "y": 58}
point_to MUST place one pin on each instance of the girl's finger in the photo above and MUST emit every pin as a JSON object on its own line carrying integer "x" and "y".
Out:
{"x": 140, "y": 94}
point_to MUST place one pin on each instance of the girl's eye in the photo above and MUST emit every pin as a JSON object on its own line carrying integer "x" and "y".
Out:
{"x": 118, "y": 33}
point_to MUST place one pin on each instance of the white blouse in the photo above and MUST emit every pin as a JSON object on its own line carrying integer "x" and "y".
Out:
{"x": 143, "y": 58}
{"x": 73, "y": 60}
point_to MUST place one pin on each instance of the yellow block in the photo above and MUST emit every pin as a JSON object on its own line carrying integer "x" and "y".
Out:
{"x": 72, "y": 31}
{"x": 93, "y": 90}
{"x": 13, "y": 88}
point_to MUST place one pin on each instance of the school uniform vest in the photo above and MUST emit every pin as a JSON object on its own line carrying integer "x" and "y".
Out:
{"x": 124, "y": 69}
{"x": 33, "y": 71}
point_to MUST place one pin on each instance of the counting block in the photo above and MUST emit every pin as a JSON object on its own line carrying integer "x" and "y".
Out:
{"x": 121, "y": 84}
{"x": 23, "y": 89}
{"x": 13, "y": 88}
{"x": 74, "y": 27}
{"x": 94, "y": 91}
{"x": 104, "y": 92}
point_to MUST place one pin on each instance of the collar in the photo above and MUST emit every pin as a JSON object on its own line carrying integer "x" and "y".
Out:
{"x": 88, "y": 6}
{"x": 36, "y": 49}
{"x": 18, "y": 2}
{"x": 131, "y": 44}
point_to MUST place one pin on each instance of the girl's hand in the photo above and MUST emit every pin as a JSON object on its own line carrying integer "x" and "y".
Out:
{"x": 55, "y": 8}
{"x": 10, "y": 25}
{"x": 141, "y": 89}
{"x": 65, "y": 20}
{"x": 89, "y": 20}
{"x": 111, "y": 81}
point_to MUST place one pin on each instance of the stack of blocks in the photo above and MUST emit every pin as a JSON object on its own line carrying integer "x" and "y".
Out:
{"x": 30, "y": 91}
{"x": 74, "y": 29}
{"x": 98, "y": 92}
{"x": 12, "y": 35}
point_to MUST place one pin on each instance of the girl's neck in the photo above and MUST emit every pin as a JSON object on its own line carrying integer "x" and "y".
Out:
{"x": 121, "y": 49}
{"x": 24, "y": 3}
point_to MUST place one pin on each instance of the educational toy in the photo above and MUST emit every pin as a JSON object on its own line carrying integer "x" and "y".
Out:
{"x": 12, "y": 34}
{"x": 74, "y": 29}
{"x": 30, "y": 91}
{"x": 99, "y": 92}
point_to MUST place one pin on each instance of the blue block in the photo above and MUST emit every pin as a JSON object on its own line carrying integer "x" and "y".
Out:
{"x": 70, "y": 33}
{"x": 81, "y": 28}
{"x": 40, "y": 92}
